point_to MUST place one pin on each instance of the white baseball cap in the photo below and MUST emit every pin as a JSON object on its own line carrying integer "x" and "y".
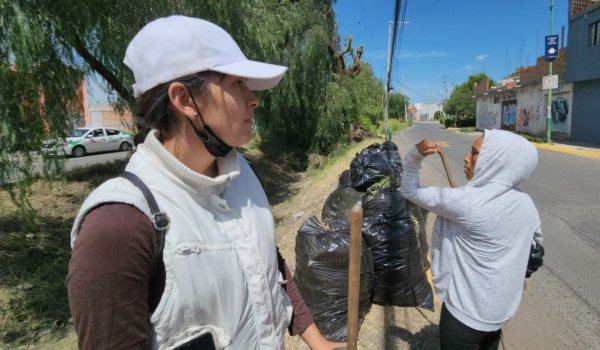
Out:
{"x": 172, "y": 47}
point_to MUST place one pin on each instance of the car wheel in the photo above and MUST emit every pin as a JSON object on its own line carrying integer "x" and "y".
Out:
{"x": 78, "y": 151}
{"x": 125, "y": 146}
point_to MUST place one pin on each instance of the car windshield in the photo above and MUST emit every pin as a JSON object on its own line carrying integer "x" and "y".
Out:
{"x": 77, "y": 132}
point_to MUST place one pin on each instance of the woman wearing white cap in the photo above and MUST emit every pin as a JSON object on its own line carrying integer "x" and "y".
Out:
{"x": 218, "y": 281}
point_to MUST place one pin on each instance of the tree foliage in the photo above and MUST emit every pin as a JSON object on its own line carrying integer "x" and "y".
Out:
{"x": 461, "y": 102}
{"x": 397, "y": 105}
{"x": 48, "y": 47}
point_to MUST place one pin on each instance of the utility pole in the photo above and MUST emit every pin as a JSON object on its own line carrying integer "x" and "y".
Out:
{"x": 405, "y": 108}
{"x": 387, "y": 85}
{"x": 445, "y": 95}
{"x": 387, "y": 74}
{"x": 549, "y": 109}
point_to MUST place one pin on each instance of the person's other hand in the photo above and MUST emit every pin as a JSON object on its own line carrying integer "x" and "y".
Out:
{"x": 427, "y": 147}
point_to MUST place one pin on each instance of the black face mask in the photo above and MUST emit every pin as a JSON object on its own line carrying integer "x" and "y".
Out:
{"x": 214, "y": 145}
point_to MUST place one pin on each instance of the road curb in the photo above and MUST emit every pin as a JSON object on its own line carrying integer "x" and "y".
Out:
{"x": 589, "y": 153}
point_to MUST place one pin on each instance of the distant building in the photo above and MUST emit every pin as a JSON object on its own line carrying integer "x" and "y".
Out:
{"x": 104, "y": 114}
{"x": 583, "y": 69}
{"x": 78, "y": 109}
{"x": 423, "y": 111}
{"x": 519, "y": 103}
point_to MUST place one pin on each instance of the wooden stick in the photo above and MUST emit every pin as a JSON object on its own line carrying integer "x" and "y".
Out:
{"x": 356, "y": 219}
{"x": 447, "y": 169}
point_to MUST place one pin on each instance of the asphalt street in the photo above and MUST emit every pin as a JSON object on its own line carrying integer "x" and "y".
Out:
{"x": 561, "y": 302}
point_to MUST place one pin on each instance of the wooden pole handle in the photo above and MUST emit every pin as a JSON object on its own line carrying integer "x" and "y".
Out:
{"x": 447, "y": 170}
{"x": 356, "y": 219}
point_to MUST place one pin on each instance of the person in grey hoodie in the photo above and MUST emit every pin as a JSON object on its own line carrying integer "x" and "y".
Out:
{"x": 482, "y": 236}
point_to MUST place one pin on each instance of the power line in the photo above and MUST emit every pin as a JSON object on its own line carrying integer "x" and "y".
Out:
{"x": 394, "y": 37}
{"x": 397, "y": 34}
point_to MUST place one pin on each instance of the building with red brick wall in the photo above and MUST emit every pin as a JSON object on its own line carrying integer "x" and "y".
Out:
{"x": 104, "y": 114}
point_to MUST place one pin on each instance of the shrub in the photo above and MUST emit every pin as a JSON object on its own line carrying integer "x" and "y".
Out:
{"x": 463, "y": 122}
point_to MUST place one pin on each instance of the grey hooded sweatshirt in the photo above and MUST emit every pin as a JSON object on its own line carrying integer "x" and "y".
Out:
{"x": 483, "y": 232}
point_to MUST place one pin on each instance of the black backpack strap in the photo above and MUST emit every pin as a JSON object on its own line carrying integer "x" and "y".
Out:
{"x": 160, "y": 220}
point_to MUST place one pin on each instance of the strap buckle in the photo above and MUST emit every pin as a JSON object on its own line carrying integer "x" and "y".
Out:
{"x": 161, "y": 221}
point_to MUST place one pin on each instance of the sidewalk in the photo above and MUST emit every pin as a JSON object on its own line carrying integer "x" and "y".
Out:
{"x": 582, "y": 151}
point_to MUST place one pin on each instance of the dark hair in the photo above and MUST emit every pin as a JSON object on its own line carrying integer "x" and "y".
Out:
{"x": 153, "y": 105}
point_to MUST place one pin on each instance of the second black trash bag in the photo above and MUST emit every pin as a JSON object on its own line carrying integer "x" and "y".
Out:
{"x": 392, "y": 237}
{"x": 374, "y": 163}
{"x": 322, "y": 275}
{"x": 339, "y": 204}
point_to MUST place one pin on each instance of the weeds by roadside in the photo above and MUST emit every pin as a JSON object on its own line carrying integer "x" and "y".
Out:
{"x": 531, "y": 138}
{"x": 34, "y": 255}
{"x": 467, "y": 129}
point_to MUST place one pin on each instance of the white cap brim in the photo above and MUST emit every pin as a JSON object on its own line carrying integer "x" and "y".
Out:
{"x": 261, "y": 76}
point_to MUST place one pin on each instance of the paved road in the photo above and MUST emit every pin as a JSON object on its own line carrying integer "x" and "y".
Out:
{"x": 561, "y": 304}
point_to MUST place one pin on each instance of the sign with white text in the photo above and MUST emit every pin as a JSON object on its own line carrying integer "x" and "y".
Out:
{"x": 551, "y": 53}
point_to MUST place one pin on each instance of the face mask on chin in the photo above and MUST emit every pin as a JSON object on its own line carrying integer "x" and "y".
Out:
{"x": 214, "y": 145}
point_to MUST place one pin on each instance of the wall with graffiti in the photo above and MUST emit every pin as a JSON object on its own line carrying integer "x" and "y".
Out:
{"x": 509, "y": 114}
{"x": 488, "y": 114}
{"x": 532, "y": 104}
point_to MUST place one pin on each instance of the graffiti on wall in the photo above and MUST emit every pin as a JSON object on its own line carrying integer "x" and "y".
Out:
{"x": 528, "y": 117}
{"x": 531, "y": 115}
{"x": 509, "y": 115}
{"x": 560, "y": 114}
{"x": 487, "y": 118}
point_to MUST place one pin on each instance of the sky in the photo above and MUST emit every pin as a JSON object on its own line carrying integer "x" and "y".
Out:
{"x": 445, "y": 40}
{"x": 450, "y": 40}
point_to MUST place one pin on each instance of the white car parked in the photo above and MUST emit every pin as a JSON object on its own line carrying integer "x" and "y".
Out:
{"x": 91, "y": 139}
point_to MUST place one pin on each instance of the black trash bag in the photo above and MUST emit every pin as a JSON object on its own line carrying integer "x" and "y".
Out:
{"x": 391, "y": 235}
{"x": 536, "y": 259}
{"x": 344, "y": 180}
{"x": 374, "y": 163}
{"x": 388, "y": 202}
{"x": 322, "y": 275}
{"x": 339, "y": 204}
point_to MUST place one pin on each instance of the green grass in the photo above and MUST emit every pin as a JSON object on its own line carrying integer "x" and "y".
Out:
{"x": 34, "y": 256}
{"x": 531, "y": 138}
{"x": 319, "y": 164}
{"x": 467, "y": 129}
{"x": 394, "y": 125}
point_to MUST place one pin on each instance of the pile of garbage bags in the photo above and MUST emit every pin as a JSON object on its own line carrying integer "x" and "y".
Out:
{"x": 323, "y": 278}
{"x": 394, "y": 254}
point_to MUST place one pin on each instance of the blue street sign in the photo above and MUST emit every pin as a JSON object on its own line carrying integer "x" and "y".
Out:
{"x": 551, "y": 53}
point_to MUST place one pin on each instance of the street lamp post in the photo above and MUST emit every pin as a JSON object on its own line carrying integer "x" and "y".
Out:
{"x": 549, "y": 108}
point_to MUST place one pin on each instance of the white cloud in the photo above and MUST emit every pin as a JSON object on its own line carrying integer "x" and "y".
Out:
{"x": 469, "y": 67}
{"x": 375, "y": 55}
{"x": 430, "y": 54}
{"x": 481, "y": 57}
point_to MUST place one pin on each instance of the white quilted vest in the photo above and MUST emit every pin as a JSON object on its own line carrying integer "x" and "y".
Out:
{"x": 220, "y": 257}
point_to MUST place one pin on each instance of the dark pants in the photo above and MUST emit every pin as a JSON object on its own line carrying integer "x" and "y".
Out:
{"x": 454, "y": 335}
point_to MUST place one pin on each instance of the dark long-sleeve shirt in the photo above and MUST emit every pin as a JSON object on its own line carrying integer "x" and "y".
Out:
{"x": 113, "y": 284}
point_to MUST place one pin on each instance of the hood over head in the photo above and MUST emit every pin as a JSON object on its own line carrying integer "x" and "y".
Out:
{"x": 504, "y": 158}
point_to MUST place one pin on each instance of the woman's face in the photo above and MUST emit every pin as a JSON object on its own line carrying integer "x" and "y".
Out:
{"x": 471, "y": 157}
{"x": 228, "y": 108}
